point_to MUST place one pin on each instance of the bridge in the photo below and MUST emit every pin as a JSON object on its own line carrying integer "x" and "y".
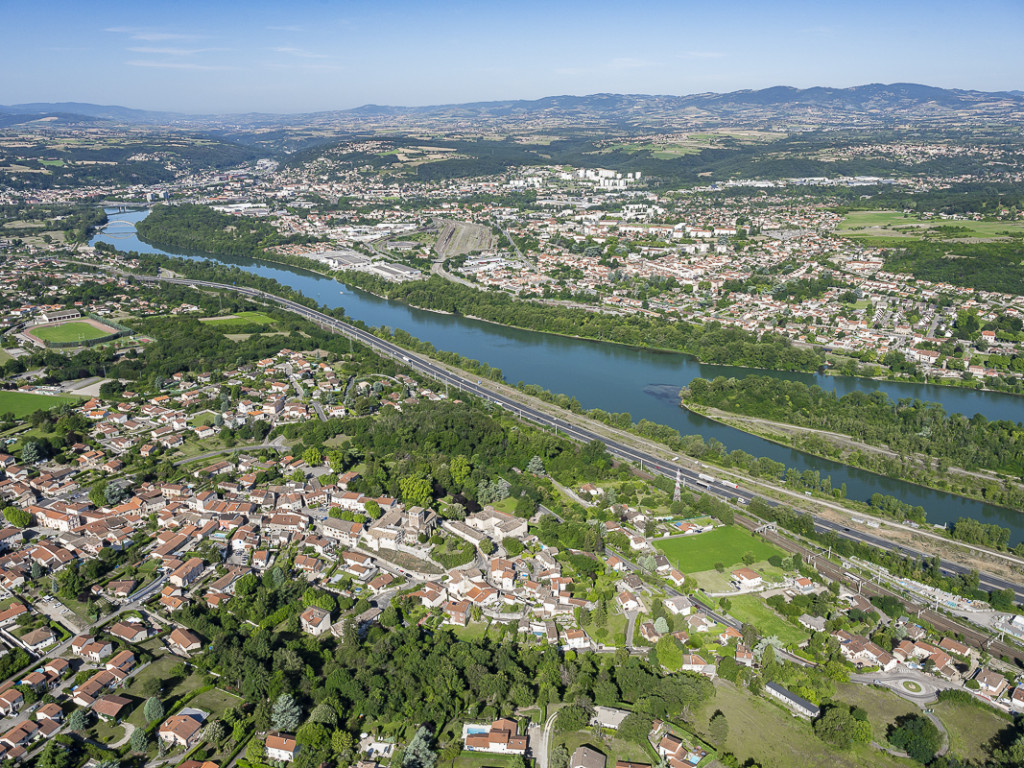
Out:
{"x": 766, "y": 527}
{"x": 122, "y": 206}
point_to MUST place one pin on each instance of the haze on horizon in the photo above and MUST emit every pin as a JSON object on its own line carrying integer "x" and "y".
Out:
{"x": 311, "y": 55}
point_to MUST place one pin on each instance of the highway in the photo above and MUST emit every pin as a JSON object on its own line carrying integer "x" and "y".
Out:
{"x": 647, "y": 461}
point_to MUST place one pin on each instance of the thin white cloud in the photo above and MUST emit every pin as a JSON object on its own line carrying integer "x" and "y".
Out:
{"x": 290, "y": 28}
{"x": 300, "y": 53}
{"x": 149, "y": 35}
{"x": 175, "y": 51}
{"x": 176, "y": 65}
{"x": 702, "y": 55}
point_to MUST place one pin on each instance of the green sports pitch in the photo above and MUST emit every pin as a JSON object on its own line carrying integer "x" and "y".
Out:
{"x": 22, "y": 404}
{"x": 66, "y": 332}
{"x": 726, "y": 545}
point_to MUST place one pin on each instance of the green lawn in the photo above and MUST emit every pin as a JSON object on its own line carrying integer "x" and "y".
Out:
{"x": 22, "y": 404}
{"x": 769, "y": 735}
{"x": 173, "y": 687}
{"x": 893, "y": 224}
{"x": 751, "y": 609}
{"x": 971, "y": 729}
{"x": 68, "y": 332}
{"x": 883, "y": 707}
{"x": 107, "y": 733}
{"x": 615, "y": 749}
{"x": 215, "y": 702}
{"x": 241, "y": 318}
{"x": 204, "y": 419}
{"x": 726, "y": 544}
{"x": 5, "y": 356}
{"x": 481, "y": 760}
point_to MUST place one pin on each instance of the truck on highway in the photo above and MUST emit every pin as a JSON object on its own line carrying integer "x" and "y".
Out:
{"x": 728, "y": 484}
{"x": 705, "y": 479}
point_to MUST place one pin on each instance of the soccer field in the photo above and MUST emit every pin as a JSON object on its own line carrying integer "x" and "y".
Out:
{"x": 725, "y": 545}
{"x": 69, "y": 332}
{"x": 21, "y": 404}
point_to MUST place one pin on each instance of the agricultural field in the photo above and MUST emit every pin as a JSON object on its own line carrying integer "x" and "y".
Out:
{"x": 726, "y": 544}
{"x": 240, "y": 318}
{"x": 22, "y": 404}
{"x": 751, "y": 609}
{"x": 65, "y": 332}
{"x": 893, "y": 224}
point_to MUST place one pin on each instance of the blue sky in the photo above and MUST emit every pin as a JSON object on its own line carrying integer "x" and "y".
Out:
{"x": 306, "y": 55}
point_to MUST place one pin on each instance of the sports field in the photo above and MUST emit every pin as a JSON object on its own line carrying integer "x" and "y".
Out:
{"x": 241, "y": 318}
{"x": 22, "y": 404}
{"x": 726, "y": 544}
{"x": 74, "y": 331}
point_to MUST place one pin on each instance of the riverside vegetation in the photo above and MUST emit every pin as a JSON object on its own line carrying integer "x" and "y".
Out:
{"x": 915, "y": 440}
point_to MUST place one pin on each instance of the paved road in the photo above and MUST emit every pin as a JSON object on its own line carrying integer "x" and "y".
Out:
{"x": 621, "y": 450}
{"x": 135, "y": 600}
{"x": 277, "y": 444}
{"x": 630, "y": 629}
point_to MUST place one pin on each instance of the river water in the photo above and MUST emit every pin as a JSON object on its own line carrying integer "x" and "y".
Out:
{"x": 644, "y": 383}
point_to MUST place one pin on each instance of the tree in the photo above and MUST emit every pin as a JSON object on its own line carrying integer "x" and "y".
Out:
{"x": 342, "y": 742}
{"x": 635, "y": 727}
{"x": 512, "y": 546}
{"x": 19, "y": 518}
{"x": 419, "y": 754}
{"x": 215, "y": 732}
{"x": 324, "y": 713}
{"x": 54, "y": 755}
{"x": 571, "y": 717}
{"x": 286, "y": 713}
{"x": 32, "y": 452}
{"x": 718, "y": 728}
{"x": 661, "y": 625}
{"x": 559, "y": 757}
{"x": 313, "y": 457}
{"x": 417, "y": 491}
{"x": 460, "y": 469}
{"x": 670, "y": 653}
{"x": 836, "y": 727}
{"x": 917, "y": 736}
{"x": 78, "y": 720}
{"x": 139, "y": 740}
{"x": 536, "y": 466}
{"x": 153, "y": 709}
{"x": 749, "y": 558}
{"x": 487, "y": 546}
{"x": 256, "y": 752}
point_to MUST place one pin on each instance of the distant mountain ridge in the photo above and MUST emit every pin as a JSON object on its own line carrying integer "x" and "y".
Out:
{"x": 897, "y": 100}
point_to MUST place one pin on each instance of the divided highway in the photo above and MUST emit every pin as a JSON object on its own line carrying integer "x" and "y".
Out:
{"x": 648, "y": 462}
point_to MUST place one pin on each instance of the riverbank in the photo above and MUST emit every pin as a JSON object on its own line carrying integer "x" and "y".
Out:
{"x": 613, "y": 377}
{"x": 838, "y": 447}
{"x": 389, "y": 292}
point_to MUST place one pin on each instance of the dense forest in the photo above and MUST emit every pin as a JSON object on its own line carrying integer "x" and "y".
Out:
{"x": 199, "y": 228}
{"x": 982, "y": 266}
{"x": 712, "y": 343}
{"x": 906, "y": 426}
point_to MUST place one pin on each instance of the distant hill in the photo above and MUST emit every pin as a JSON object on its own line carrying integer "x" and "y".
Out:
{"x": 872, "y": 103}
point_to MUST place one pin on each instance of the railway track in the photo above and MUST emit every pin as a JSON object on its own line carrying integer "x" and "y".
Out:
{"x": 972, "y": 636}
